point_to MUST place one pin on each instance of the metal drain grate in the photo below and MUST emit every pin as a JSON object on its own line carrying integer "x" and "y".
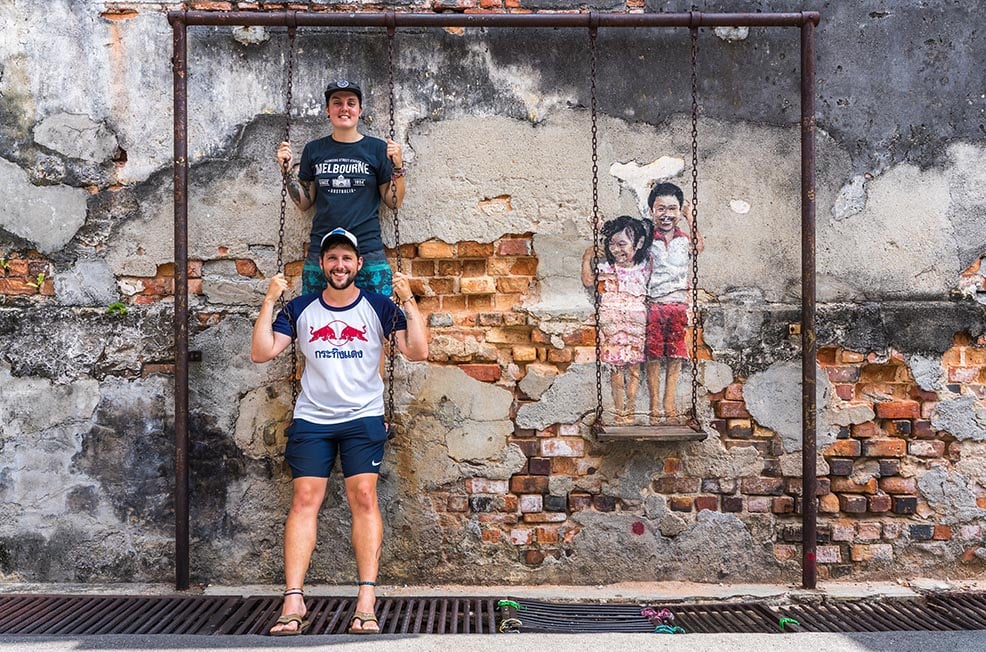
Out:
{"x": 968, "y": 610}
{"x": 232, "y": 615}
{"x": 53, "y": 615}
{"x": 693, "y": 618}
{"x": 219, "y": 615}
{"x": 880, "y": 616}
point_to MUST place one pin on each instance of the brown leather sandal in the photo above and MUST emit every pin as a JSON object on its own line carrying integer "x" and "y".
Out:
{"x": 286, "y": 619}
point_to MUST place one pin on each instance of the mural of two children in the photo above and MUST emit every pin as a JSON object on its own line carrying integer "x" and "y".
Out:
{"x": 643, "y": 310}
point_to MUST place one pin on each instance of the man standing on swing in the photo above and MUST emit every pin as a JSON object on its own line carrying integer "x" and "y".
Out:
{"x": 344, "y": 176}
{"x": 340, "y": 411}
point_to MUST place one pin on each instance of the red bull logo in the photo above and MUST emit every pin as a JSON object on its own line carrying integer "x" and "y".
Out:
{"x": 337, "y": 333}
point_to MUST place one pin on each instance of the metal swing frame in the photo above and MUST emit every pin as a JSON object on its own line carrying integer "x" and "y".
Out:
{"x": 180, "y": 20}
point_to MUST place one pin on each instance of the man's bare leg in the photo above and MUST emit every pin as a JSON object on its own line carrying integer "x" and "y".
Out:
{"x": 671, "y": 385}
{"x": 300, "y": 532}
{"x": 654, "y": 389}
{"x": 367, "y": 534}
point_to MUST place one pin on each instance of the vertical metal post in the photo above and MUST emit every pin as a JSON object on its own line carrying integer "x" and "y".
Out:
{"x": 179, "y": 64}
{"x": 809, "y": 509}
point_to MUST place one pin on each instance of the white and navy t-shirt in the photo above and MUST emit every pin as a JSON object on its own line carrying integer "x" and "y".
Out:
{"x": 342, "y": 349}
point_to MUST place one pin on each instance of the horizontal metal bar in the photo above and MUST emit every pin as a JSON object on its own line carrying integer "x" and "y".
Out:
{"x": 585, "y": 20}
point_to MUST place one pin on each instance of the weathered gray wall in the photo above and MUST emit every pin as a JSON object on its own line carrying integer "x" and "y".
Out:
{"x": 495, "y": 128}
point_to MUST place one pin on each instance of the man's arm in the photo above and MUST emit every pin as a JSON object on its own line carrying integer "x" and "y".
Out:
{"x": 413, "y": 342}
{"x": 302, "y": 193}
{"x": 266, "y": 344}
{"x": 397, "y": 180}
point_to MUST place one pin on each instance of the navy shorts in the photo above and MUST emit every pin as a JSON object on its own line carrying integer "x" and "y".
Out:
{"x": 312, "y": 447}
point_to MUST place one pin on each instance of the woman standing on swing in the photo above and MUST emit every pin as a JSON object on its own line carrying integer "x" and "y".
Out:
{"x": 345, "y": 175}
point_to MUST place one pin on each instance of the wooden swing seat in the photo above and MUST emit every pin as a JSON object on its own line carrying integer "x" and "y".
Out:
{"x": 690, "y": 431}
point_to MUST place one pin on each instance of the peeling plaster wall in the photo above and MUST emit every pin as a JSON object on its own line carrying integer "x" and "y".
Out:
{"x": 493, "y": 476}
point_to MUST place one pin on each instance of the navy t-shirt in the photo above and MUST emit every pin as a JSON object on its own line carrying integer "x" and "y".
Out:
{"x": 347, "y": 179}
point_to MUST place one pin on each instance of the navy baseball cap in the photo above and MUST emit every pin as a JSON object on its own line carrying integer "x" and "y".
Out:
{"x": 343, "y": 85}
{"x": 335, "y": 236}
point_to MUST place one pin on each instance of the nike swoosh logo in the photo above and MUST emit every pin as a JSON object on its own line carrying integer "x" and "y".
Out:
{"x": 375, "y": 463}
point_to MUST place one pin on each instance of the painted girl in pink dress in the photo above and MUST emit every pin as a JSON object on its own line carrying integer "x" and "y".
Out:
{"x": 622, "y": 325}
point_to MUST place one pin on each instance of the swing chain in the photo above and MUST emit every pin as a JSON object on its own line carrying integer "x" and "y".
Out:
{"x": 285, "y": 171}
{"x": 285, "y": 177}
{"x": 696, "y": 311}
{"x": 397, "y": 240}
{"x": 393, "y": 136}
{"x": 596, "y": 254}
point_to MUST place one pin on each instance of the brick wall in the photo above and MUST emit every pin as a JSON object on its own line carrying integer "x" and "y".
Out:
{"x": 25, "y": 275}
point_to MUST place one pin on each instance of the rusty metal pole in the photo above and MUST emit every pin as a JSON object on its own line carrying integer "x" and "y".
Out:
{"x": 809, "y": 366}
{"x": 179, "y": 65}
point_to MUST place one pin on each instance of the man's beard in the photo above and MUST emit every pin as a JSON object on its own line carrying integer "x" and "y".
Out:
{"x": 350, "y": 279}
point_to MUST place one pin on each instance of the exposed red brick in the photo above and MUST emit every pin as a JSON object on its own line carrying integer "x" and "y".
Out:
{"x": 449, "y": 268}
{"x": 457, "y": 503}
{"x": 435, "y": 249}
{"x": 492, "y": 535}
{"x": 15, "y": 286}
{"x": 579, "y": 502}
{"x": 880, "y": 503}
{"x": 898, "y": 410}
{"x": 513, "y": 284}
{"x": 246, "y": 267}
{"x": 828, "y": 504}
{"x": 681, "y": 503}
{"x": 524, "y": 353}
{"x": 669, "y": 485}
{"x": 852, "y": 357}
{"x": 539, "y": 466}
{"x": 731, "y": 409}
{"x": 885, "y": 448}
{"x": 529, "y": 484}
{"x": 898, "y": 485}
{"x": 942, "y": 533}
{"x": 482, "y": 372}
{"x": 546, "y": 534}
{"x": 710, "y": 503}
{"x": 851, "y": 504}
{"x": 560, "y": 355}
{"x": 514, "y": 247}
{"x": 865, "y": 430}
{"x": 472, "y": 249}
{"x": 782, "y": 505}
{"x": 923, "y": 430}
{"x": 533, "y": 557}
{"x": 842, "y": 374}
{"x": 827, "y": 355}
{"x": 734, "y": 392}
{"x": 477, "y": 285}
{"x": 845, "y": 392}
{"x": 848, "y": 485}
{"x": 762, "y": 486}
{"x": 842, "y": 448}
{"x": 672, "y": 465}
{"x": 524, "y": 267}
{"x": 422, "y": 268}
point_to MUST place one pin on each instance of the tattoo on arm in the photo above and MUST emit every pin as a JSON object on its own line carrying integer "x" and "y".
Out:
{"x": 297, "y": 189}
